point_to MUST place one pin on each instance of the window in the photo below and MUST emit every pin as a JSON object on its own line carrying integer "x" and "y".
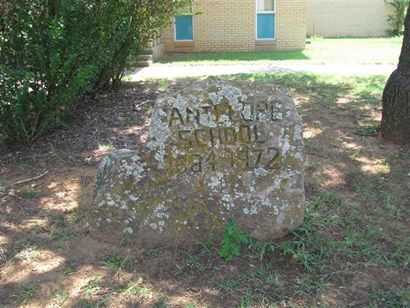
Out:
{"x": 184, "y": 25}
{"x": 265, "y": 19}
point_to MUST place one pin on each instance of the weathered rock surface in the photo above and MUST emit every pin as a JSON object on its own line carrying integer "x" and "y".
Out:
{"x": 216, "y": 150}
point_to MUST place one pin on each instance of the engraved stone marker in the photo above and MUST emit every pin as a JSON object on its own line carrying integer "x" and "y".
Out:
{"x": 216, "y": 150}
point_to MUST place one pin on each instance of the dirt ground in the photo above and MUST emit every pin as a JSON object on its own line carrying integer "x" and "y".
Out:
{"x": 354, "y": 249}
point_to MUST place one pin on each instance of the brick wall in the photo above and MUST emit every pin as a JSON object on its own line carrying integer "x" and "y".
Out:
{"x": 360, "y": 18}
{"x": 291, "y": 24}
{"x": 230, "y": 25}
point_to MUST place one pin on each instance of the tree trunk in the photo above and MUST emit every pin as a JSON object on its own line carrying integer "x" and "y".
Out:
{"x": 396, "y": 96}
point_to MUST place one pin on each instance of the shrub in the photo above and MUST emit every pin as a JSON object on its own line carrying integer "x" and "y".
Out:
{"x": 396, "y": 21}
{"x": 52, "y": 53}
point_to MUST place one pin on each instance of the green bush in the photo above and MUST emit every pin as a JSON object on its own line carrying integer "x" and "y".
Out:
{"x": 53, "y": 52}
{"x": 396, "y": 21}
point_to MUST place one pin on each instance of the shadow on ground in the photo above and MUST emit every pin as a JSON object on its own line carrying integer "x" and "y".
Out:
{"x": 353, "y": 249}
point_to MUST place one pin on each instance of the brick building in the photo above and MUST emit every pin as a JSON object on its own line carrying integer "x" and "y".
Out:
{"x": 238, "y": 25}
{"x": 256, "y": 25}
{"x": 353, "y": 18}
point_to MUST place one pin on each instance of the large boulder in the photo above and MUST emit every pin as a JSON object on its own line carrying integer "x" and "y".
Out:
{"x": 216, "y": 150}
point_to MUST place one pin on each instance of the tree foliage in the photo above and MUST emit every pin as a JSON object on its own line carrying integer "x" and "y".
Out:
{"x": 52, "y": 52}
{"x": 396, "y": 21}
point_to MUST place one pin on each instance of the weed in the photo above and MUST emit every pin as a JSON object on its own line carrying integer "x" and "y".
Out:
{"x": 367, "y": 129}
{"x": 109, "y": 147}
{"x": 261, "y": 248}
{"x": 113, "y": 260}
{"x": 390, "y": 203}
{"x": 85, "y": 303}
{"x": 62, "y": 235}
{"x": 25, "y": 167}
{"x": 302, "y": 254}
{"x": 232, "y": 284}
{"x": 37, "y": 229}
{"x": 232, "y": 240}
{"x": 104, "y": 129}
{"x": 68, "y": 271}
{"x": 3, "y": 254}
{"x": 125, "y": 242}
{"x": 58, "y": 221}
{"x": 264, "y": 275}
{"x": 308, "y": 286}
{"x": 28, "y": 193}
{"x": 23, "y": 293}
{"x": 61, "y": 298}
{"x": 162, "y": 302}
{"x": 93, "y": 285}
{"x": 37, "y": 240}
{"x": 136, "y": 288}
{"x": 152, "y": 253}
{"x": 207, "y": 246}
{"x": 29, "y": 254}
{"x": 394, "y": 298}
{"x": 352, "y": 153}
{"x": 192, "y": 261}
{"x": 247, "y": 300}
{"x": 74, "y": 218}
{"x": 310, "y": 245}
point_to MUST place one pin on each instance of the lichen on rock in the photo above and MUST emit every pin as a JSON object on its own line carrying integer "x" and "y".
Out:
{"x": 216, "y": 150}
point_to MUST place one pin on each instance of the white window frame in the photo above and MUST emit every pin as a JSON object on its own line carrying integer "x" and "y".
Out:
{"x": 256, "y": 21}
{"x": 193, "y": 27}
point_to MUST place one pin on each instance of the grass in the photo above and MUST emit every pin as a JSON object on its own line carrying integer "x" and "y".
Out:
{"x": 61, "y": 298}
{"x": 28, "y": 193}
{"x": 320, "y": 51}
{"x": 23, "y": 293}
{"x": 136, "y": 288}
{"x": 113, "y": 261}
{"x": 395, "y": 298}
{"x": 57, "y": 221}
{"x": 117, "y": 262}
{"x": 93, "y": 285}
{"x": 354, "y": 244}
{"x": 367, "y": 129}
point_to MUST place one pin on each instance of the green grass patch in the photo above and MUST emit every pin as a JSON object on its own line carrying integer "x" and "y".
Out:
{"x": 58, "y": 221}
{"x": 24, "y": 293}
{"x": 113, "y": 260}
{"x": 319, "y": 51}
{"x": 117, "y": 262}
{"x": 136, "y": 288}
{"x": 61, "y": 298}
{"x": 367, "y": 129}
{"x": 28, "y": 193}
{"x": 229, "y": 57}
{"x": 93, "y": 285}
{"x": 392, "y": 298}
